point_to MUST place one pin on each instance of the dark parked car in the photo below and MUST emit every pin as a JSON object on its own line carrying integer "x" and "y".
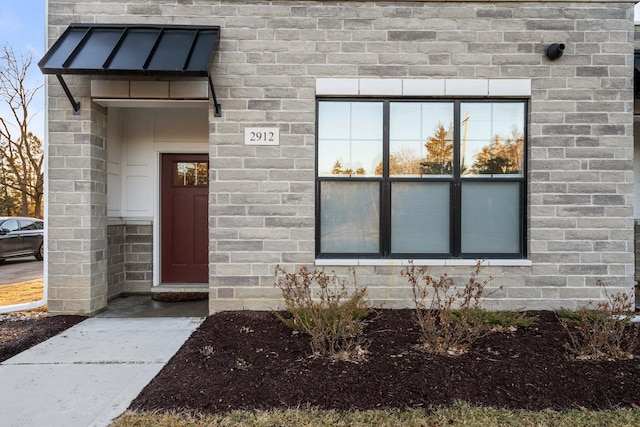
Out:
{"x": 21, "y": 236}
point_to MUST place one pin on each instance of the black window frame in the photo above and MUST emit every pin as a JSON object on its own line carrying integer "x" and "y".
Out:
{"x": 455, "y": 189}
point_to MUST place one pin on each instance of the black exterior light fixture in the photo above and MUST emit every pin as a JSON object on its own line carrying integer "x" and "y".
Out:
{"x": 554, "y": 51}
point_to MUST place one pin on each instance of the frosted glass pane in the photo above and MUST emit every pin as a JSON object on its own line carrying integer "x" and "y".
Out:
{"x": 491, "y": 217}
{"x": 420, "y": 217}
{"x": 349, "y": 138}
{"x": 350, "y": 217}
{"x": 492, "y": 138}
{"x": 420, "y": 138}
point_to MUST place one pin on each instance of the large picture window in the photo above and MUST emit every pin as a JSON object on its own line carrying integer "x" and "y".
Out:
{"x": 420, "y": 179}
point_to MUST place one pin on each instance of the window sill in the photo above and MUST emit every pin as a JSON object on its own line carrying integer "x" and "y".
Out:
{"x": 424, "y": 262}
{"x": 119, "y": 220}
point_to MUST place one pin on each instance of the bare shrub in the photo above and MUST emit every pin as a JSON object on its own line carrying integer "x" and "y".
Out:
{"x": 604, "y": 332}
{"x": 333, "y": 318}
{"x": 450, "y": 320}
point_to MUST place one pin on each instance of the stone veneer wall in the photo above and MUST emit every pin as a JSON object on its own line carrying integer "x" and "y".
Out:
{"x": 262, "y": 199}
{"x": 637, "y": 252}
{"x": 77, "y": 221}
{"x": 637, "y": 155}
{"x": 138, "y": 259}
{"x": 115, "y": 259}
{"x": 130, "y": 258}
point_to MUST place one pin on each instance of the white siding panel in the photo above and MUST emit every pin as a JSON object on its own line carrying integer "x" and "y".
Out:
{"x": 139, "y": 195}
{"x": 181, "y": 125}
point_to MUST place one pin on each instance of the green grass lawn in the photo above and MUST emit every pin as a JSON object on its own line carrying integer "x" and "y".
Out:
{"x": 458, "y": 415}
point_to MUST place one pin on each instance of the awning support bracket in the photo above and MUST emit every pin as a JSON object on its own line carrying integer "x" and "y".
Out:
{"x": 216, "y": 105}
{"x": 74, "y": 104}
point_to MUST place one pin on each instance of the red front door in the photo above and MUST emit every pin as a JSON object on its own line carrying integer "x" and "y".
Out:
{"x": 185, "y": 231}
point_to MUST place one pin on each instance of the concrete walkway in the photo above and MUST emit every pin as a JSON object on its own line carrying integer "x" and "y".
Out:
{"x": 89, "y": 374}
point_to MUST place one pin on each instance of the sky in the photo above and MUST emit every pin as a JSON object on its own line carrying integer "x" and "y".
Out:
{"x": 22, "y": 25}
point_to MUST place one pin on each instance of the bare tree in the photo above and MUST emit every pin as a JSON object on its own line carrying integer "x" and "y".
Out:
{"x": 8, "y": 200}
{"x": 403, "y": 160}
{"x": 20, "y": 150}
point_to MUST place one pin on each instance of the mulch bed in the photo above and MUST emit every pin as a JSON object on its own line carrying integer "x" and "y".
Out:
{"x": 20, "y": 332}
{"x": 250, "y": 360}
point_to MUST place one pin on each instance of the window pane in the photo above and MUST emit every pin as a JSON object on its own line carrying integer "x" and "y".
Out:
{"x": 27, "y": 225}
{"x": 10, "y": 225}
{"x": 202, "y": 174}
{"x": 490, "y": 217}
{"x": 350, "y": 217}
{"x": 420, "y": 138}
{"x": 349, "y": 138}
{"x": 190, "y": 174}
{"x": 420, "y": 217}
{"x": 492, "y": 138}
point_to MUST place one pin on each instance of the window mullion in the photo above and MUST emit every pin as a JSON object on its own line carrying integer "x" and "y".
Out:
{"x": 456, "y": 214}
{"x": 523, "y": 217}
{"x": 385, "y": 191}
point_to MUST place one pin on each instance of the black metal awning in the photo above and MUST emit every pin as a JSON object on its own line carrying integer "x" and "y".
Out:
{"x": 132, "y": 50}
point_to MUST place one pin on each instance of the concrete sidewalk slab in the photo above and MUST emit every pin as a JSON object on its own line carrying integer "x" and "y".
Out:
{"x": 90, "y": 373}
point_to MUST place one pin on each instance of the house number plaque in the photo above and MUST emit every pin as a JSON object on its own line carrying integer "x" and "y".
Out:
{"x": 262, "y": 136}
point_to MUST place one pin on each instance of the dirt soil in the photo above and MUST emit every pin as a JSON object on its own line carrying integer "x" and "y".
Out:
{"x": 19, "y": 332}
{"x": 250, "y": 360}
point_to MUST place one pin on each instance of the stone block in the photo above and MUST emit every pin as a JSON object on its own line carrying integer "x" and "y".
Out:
{"x": 423, "y": 87}
{"x": 149, "y": 89}
{"x": 510, "y": 87}
{"x": 466, "y": 87}
{"x": 110, "y": 88}
{"x": 333, "y": 86}
{"x": 380, "y": 87}
{"x": 412, "y": 36}
{"x": 188, "y": 89}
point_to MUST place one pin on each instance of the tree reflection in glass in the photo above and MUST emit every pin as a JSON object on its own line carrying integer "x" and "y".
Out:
{"x": 349, "y": 138}
{"x": 420, "y": 138}
{"x": 186, "y": 174}
{"x": 492, "y": 139}
{"x": 439, "y": 160}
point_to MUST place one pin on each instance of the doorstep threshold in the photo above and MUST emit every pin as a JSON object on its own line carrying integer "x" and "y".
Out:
{"x": 180, "y": 287}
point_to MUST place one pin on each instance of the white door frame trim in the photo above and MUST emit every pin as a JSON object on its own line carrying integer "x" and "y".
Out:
{"x": 160, "y": 149}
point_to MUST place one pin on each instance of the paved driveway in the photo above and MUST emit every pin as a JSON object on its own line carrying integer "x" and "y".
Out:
{"x": 18, "y": 270}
